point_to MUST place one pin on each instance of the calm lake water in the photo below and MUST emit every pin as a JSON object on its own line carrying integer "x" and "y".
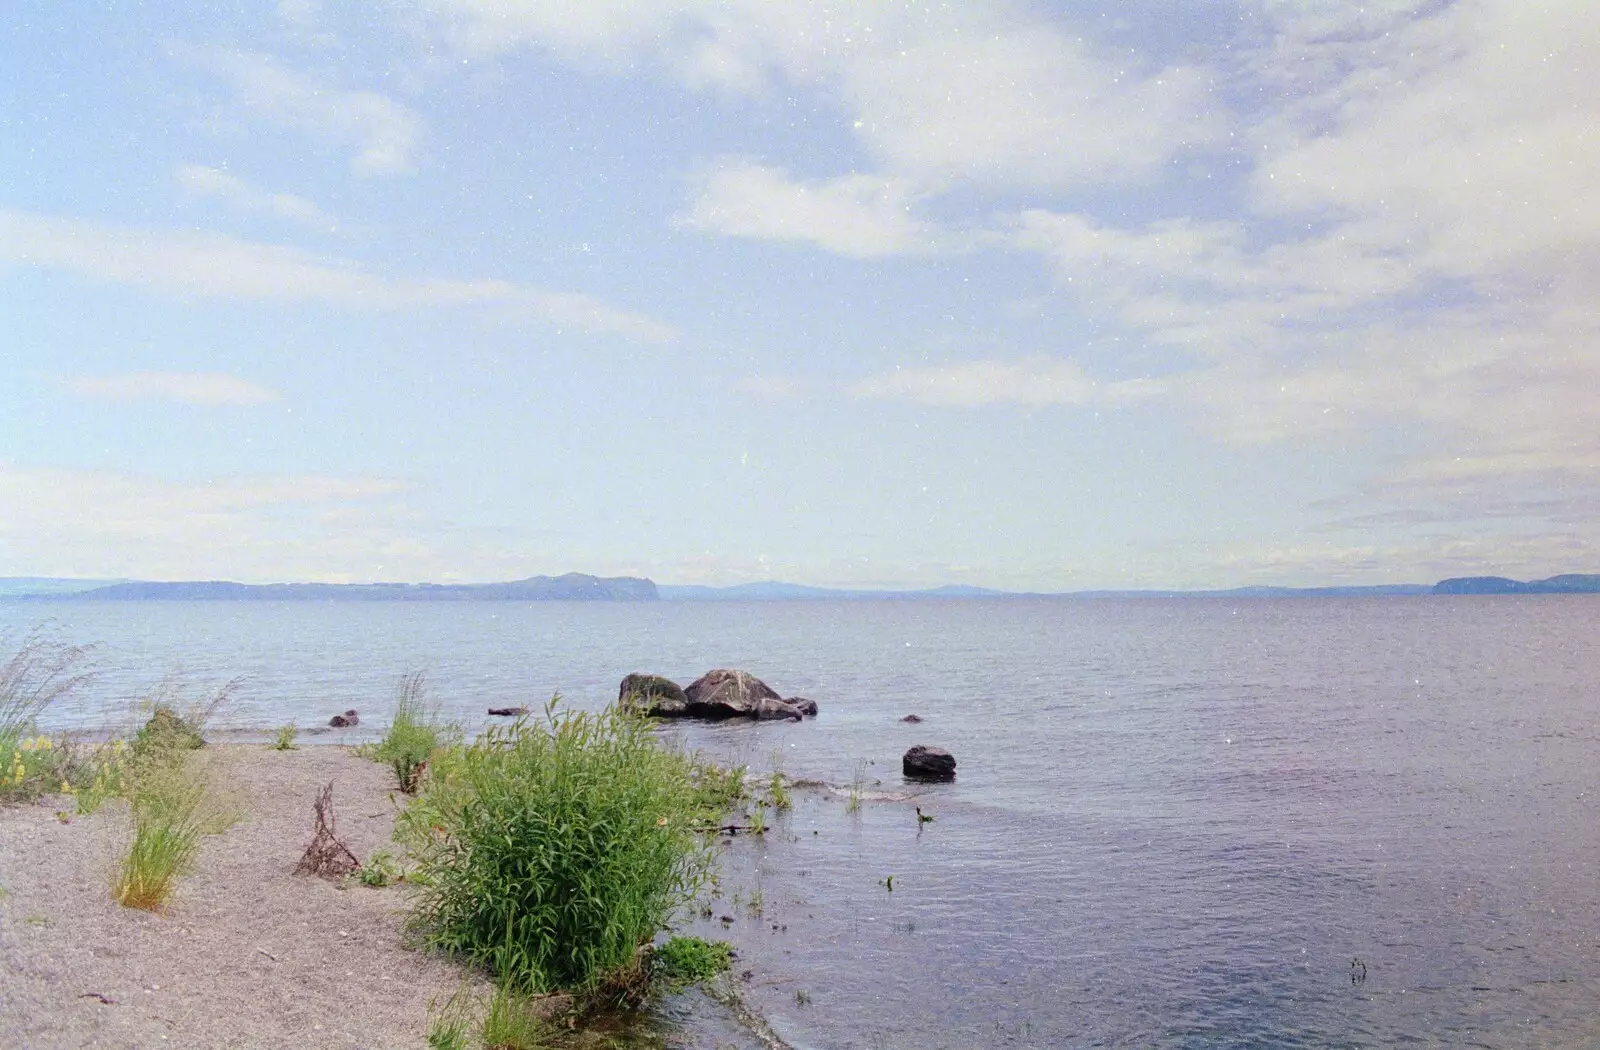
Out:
{"x": 1177, "y": 823}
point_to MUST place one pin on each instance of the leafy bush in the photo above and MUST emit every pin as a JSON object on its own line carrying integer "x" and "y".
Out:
{"x": 283, "y": 740}
{"x": 551, "y": 852}
{"x": 413, "y": 734}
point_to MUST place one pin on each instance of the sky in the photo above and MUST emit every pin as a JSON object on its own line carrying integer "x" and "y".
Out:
{"x": 1141, "y": 293}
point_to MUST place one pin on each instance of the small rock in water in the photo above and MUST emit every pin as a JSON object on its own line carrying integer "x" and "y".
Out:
{"x": 912, "y": 718}
{"x": 346, "y": 720}
{"x": 928, "y": 763}
{"x": 807, "y": 707}
{"x": 508, "y": 712}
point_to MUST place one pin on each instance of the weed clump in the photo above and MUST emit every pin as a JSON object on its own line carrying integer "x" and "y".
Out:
{"x": 551, "y": 852}
{"x": 283, "y": 739}
{"x": 683, "y": 961}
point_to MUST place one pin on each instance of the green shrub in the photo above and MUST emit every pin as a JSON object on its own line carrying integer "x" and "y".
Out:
{"x": 683, "y": 961}
{"x": 412, "y": 736}
{"x": 283, "y": 740}
{"x": 551, "y": 852}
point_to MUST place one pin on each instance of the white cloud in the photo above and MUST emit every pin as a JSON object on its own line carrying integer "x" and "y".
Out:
{"x": 861, "y": 216}
{"x": 209, "y": 389}
{"x": 383, "y": 132}
{"x": 1466, "y": 132}
{"x": 224, "y": 267}
{"x": 202, "y": 181}
{"x": 1022, "y": 104}
{"x": 1034, "y": 383}
{"x": 939, "y": 93}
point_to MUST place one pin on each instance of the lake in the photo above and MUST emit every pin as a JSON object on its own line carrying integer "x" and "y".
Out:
{"x": 1305, "y": 822}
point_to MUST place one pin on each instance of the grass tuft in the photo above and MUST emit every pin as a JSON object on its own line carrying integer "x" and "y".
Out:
{"x": 413, "y": 733}
{"x": 173, "y": 803}
{"x": 858, "y": 784}
{"x": 284, "y": 738}
{"x": 551, "y": 852}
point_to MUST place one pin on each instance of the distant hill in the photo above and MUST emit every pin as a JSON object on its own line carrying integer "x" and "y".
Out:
{"x": 1567, "y": 583}
{"x": 576, "y": 586}
{"x": 800, "y": 592}
{"x": 573, "y": 586}
{"x": 768, "y": 591}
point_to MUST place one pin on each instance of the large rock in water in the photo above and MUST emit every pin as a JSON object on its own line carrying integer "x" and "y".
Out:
{"x": 652, "y": 694}
{"x": 730, "y": 694}
{"x": 928, "y": 763}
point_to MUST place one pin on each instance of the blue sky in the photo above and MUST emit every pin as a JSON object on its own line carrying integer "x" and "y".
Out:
{"x": 1027, "y": 295}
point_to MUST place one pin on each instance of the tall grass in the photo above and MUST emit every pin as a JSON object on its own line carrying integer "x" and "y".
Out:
{"x": 172, "y": 795}
{"x": 552, "y": 851}
{"x": 41, "y": 671}
{"x": 413, "y": 733}
{"x": 167, "y": 808}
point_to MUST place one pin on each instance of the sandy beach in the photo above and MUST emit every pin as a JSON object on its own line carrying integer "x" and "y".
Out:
{"x": 248, "y": 954}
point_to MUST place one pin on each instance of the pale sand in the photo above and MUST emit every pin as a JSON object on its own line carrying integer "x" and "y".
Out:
{"x": 248, "y": 954}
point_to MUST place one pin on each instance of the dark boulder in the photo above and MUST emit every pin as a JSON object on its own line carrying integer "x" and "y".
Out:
{"x": 928, "y": 763}
{"x": 912, "y": 718}
{"x": 807, "y": 707}
{"x": 724, "y": 693}
{"x": 346, "y": 720}
{"x": 508, "y": 712}
{"x": 652, "y": 694}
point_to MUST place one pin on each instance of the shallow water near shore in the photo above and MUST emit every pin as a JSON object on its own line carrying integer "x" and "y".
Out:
{"x": 1177, "y": 823}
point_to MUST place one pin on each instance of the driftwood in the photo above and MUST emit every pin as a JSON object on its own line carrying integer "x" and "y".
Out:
{"x": 327, "y": 857}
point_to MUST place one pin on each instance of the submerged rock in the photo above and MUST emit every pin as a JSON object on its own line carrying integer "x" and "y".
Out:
{"x": 652, "y": 694}
{"x": 346, "y": 720}
{"x": 767, "y": 710}
{"x": 807, "y": 707}
{"x": 508, "y": 712}
{"x": 912, "y": 718}
{"x": 928, "y": 763}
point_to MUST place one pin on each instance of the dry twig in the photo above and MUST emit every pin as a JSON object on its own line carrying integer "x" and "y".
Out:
{"x": 327, "y": 857}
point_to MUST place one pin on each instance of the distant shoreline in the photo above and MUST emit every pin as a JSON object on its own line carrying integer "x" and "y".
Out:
{"x": 582, "y": 587}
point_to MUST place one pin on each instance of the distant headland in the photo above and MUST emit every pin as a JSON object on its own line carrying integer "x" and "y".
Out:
{"x": 573, "y": 586}
{"x": 577, "y": 586}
